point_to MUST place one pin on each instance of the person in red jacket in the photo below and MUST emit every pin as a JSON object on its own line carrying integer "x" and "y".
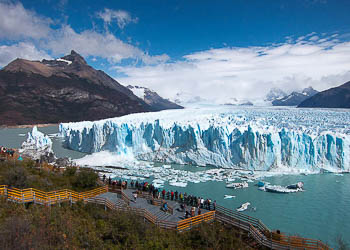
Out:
{"x": 163, "y": 194}
{"x": 172, "y": 195}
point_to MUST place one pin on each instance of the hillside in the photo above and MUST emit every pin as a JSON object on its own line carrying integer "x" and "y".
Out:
{"x": 152, "y": 98}
{"x": 338, "y": 97}
{"x": 62, "y": 90}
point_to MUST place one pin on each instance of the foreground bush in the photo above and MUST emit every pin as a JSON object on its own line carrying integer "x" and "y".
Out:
{"x": 27, "y": 175}
{"x": 91, "y": 227}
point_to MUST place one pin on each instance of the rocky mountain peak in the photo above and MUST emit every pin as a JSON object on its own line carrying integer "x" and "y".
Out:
{"x": 74, "y": 57}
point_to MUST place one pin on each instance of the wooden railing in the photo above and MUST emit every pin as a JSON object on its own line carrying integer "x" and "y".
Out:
{"x": 138, "y": 211}
{"x": 48, "y": 198}
{"x": 262, "y": 234}
{"x": 160, "y": 203}
{"x": 189, "y": 223}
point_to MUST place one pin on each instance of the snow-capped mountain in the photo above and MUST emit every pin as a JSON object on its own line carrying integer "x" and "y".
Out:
{"x": 65, "y": 89}
{"x": 185, "y": 98}
{"x": 275, "y": 94}
{"x": 338, "y": 97}
{"x": 153, "y": 99}
{"x": 295, "y": 98}
{"x": 238, "y": 102}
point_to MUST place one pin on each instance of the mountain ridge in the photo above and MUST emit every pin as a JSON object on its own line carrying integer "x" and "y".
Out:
{"x": 61, "y": 90}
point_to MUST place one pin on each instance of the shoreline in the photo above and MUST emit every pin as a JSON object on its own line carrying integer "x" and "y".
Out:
{"x": 40, "y": 125}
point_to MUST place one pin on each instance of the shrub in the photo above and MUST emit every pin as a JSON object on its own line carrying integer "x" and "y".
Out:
{"x": 85, "y": 179}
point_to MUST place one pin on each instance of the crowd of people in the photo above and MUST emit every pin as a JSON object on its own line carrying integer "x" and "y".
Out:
{"x": 6, "y": 151}
{"x": 186, "y": 200}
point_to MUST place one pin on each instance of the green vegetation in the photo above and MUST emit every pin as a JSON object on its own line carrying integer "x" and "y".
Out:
{"x": 26, "y": 174}
{"x": 91, "y": 227}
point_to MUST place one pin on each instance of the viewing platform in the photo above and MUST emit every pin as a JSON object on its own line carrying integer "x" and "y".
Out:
{"x": 149, "y": 208}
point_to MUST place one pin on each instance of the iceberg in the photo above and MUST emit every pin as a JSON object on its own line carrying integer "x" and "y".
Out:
{"x": 263, "y": 139}
{"x": 243, "y": 207}
{"x": 37, "y": 145}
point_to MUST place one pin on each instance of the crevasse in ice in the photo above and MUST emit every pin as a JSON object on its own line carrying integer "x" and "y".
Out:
{"x": 248, "y": 138}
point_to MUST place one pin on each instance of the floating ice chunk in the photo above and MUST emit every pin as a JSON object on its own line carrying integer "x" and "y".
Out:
{"x": 177, "y": 183}
{"x": 226, "y": 196}
{"x": 243, "y": 207}
{"x": 237, "y": 185}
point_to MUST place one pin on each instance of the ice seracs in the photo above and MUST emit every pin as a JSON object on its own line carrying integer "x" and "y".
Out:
{"x": 36, "y": 145}
{"x": 268, "y": 139}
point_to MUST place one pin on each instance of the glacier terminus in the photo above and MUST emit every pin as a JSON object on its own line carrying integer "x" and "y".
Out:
{"x": 251, "y": 138}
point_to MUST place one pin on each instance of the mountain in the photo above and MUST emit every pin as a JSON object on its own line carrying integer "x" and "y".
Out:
{"x": 295, "y": 98}
{"x": 61, "y": 90}
{"x": 150, "y": 97}
{"x": 338, "y": 97}
{"x": 275, "y": 94}
{"x": 185, "y": 98}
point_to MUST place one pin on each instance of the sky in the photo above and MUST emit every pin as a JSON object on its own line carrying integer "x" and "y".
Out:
{"x": 214, "y": 49}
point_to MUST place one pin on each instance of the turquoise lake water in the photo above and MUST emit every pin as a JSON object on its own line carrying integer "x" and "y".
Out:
{"x": 321, "y": 212}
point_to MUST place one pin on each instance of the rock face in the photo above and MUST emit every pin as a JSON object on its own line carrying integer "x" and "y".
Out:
{"x": 156, "y": 102}
{"x": 295, "y": 98}
{"x": 66, "y": 89}
{"x": 338, "y": 97}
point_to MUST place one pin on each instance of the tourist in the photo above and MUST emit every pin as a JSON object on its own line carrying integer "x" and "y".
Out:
{"x": 172, "y": 195}
{"x": 181, "y": 197}
{"x": 176, "y": 195}
{"x": 163, "y": 194}
{"x": 202, "y": 202}
{"x": 209, "y": 202}
{"x": 193, "y": 211}
{"x": 109, "y": 180}
{"x": 165, "y": 206}
{"x": 132, "y": 184}
{"x": 214, "y": 205}
{"x": 135, "y": 196}
{"x": 103, "y": 178}
{"x": 167, "y": 195}
{"x": 199, "y": 211}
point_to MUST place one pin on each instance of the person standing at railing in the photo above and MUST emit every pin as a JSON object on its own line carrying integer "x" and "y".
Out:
{"x": 202, "y": 202}
{"x": 181, "y": 196}
{"x": 163, "y": 194}
{"x": 176, "y": 195}
{"x": 172, "y": 195}
{"x": 103, "y": 178}
{"x": 214, "y": 205}
{"x": 199, "y": 211}
{"x": 132, "y": 184}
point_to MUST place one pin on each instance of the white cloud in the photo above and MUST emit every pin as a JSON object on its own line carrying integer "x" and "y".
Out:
{"x": 122, "y": 17}
{"x": 248, "y": 72}
{"x": 92, "y": 43}
{"x": 20, "y": 50}
{"x": 17, "y": 22}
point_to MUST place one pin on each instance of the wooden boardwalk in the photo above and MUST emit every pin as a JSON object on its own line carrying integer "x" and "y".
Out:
{"x": 149, "y": 209}
{"x": 146, "y": 203}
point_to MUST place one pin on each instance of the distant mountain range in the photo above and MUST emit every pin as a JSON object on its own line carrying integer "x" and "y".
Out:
{"x": 62, "y": 90}
{"x": 279, "y": 98}
{"x": 153, "y": 99}
{"x": 338, "y": 97}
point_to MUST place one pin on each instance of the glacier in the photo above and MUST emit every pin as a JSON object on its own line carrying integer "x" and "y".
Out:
{"x": 251, "y": 138}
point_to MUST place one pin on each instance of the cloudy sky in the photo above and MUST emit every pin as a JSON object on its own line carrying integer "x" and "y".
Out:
{"x": 230, "y": 49}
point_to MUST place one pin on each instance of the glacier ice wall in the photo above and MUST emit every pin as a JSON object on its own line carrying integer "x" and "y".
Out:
{"x": 249, "y": 139}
